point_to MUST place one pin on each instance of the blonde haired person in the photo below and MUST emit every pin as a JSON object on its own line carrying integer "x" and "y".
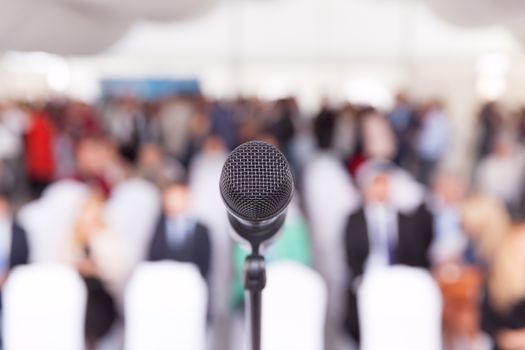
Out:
{"x": 93, "y": 249}
{"x": 486, "y": 221}
{"x": 503, "y": 313}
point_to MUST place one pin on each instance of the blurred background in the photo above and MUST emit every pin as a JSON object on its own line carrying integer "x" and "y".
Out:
{"x": 403, "y": 121}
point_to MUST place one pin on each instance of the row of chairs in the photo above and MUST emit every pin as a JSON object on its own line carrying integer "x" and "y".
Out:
{"x": 165, "y": 307}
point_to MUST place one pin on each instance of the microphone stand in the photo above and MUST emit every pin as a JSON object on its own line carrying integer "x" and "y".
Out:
{"x": 254, "y": 283}
{"x": 254, "y": 273}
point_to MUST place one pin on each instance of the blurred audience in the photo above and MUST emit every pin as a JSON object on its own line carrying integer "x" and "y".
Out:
{"x": 413, "y": 208}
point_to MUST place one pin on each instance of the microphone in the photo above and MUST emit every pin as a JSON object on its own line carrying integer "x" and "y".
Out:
{"x": 256, "y": 186}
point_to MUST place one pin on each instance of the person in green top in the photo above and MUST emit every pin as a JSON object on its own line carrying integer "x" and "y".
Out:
{"x": 292, "y": 244}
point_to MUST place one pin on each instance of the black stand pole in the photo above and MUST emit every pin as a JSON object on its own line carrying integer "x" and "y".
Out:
{"x": 254, "y": 283}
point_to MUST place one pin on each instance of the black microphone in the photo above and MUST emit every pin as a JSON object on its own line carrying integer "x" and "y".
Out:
{"x": 256, "y": 186}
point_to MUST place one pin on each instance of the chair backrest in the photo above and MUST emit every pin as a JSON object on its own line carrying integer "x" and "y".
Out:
{"x": 131, "y": 212}
{"x": 165, "y": 307}
{"x": 50, "y": 218}
{"x": 400, "y": 308}
{"x": 293, "y": 308}
{"x": 44, "y": 308}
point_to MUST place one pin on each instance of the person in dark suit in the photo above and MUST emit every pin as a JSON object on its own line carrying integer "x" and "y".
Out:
{"x": 14, "y": 248}
{"x": 378, "y": 234}
{"x": 178, "y": 236}
{"x": 19, "y": 247}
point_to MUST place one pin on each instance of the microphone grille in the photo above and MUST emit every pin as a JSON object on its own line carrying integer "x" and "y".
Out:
{"x": 256, "y": 182}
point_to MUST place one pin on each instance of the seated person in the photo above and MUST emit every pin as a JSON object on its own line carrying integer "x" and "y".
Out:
{"x": 379, "y": 234}
{"x": 179, "y": 236}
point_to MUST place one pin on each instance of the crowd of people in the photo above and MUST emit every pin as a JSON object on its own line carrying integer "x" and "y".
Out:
{"x": 374, "y": 189}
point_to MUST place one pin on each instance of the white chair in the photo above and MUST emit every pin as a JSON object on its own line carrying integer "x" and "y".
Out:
{"x": 293, "y": 308}
{"x": 44, "y": 308}
{"x": 400, "y": 309}
{"x": 132, "y": 212}
{"x": 52, "y": 217}
{"x": 165, "y": 306}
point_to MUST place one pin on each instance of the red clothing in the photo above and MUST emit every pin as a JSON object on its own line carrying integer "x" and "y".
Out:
{"x": 355, "y": 162}
{"x": 40, "y": 158}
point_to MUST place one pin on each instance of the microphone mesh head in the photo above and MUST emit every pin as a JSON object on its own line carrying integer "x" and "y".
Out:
{"x": 256, "y": 182}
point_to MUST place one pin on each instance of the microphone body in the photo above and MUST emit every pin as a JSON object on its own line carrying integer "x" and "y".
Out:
{"x": 256, "y": 186}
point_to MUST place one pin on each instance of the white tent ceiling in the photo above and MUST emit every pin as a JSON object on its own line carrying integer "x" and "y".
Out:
{"x": 78, "y": 27}
{"x": 48, "y": 26}
{"x": 90, "y": 26}
{"x": 479, "y": 12}
{"x": 81, "y": 26}
{"x": 304, "y": 28}
{"x": 315, "y": 29}
{"x": 163, "y": 10}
